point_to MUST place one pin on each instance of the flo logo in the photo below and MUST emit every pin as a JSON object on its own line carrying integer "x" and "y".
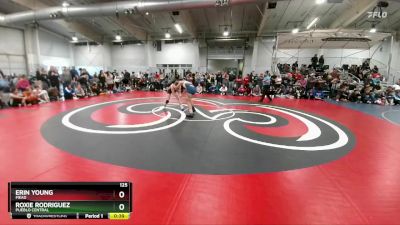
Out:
{"x": 225, "y": 137}
{"x": 379, "y": 15}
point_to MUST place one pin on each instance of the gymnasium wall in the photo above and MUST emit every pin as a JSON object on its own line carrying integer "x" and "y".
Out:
{"x": 130, "y": 57}
{"x": 221, "y": 64}
{"x": 181, "y": 53}
{"x": 395, "y": 65}
{"x": 12, "y": 51}
{"x": 54, "y": 49}
{"x": 202, "y": 59}
{"x": 39, "y": 47}
{"x": 378, "y": 53}
{"x": 262, "y": 55}
{"x": 93, "y": 57}
{"x": 135, "y": 57}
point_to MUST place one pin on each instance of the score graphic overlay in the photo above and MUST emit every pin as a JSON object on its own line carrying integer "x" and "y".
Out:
{"x": 70, "y": 200}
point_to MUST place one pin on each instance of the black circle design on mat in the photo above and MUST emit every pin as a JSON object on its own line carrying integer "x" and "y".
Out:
{"x": 225, "y": 137}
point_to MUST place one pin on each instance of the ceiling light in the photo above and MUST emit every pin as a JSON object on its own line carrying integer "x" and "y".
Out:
{"x": 312, "y": 23}
{"x": 178, "y": 28}
{"x": 226, "y": 32}
{"x": 373, "y": 29}
{"x": 147, "y": 13}
{"x": 167, "y": 35}
{"x": 129, "y": 11}
{"x": 65, "y": 4}
{"x": 320, "y": 1}
{"x": 118, "y": 37}
{"x": 75, "y": 39}
{"x": 295, "y": 30}
{"x": 2, "y": 18}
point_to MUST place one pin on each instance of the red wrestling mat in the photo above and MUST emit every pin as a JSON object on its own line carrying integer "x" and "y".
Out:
{"x": 363, "y": 187}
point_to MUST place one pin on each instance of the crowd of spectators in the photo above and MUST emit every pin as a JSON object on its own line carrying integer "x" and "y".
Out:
{"x": 355, "y": 84}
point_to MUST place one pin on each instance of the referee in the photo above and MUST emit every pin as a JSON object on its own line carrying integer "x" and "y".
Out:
{"x": 266, "y": 90}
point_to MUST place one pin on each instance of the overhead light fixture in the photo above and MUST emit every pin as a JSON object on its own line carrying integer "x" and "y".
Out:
{"x": 373, "y": 30}
{"x": 147, "y": 13}
{"x": 118, "y": 37}
{"x": 65, "y": 4}
{"x": 295, "y": 30}
{"x": 313, "y": 22}
{"x": 129, "y": 11}
{"x": 178, "y": 28}
{"x": 167, "y": 35}
{"x": 221, "y": 2}
{"x": 319, "y": 2}
{"x": 75, "y": 39}
{"x": 2, "y": 18}
{"x": 226, "y": 32}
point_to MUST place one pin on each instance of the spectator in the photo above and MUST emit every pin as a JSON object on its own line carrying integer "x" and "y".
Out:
{"x": 23, "y": 83}
{"x": 199, "y": 89}
{"x": 102, "y": 80}
{"x": 54, "y": 78}
{"x": 74, "y": 73}
{"x": 84, "y": 81}
{"x": 375, "y": 69}
{"x": 321, "y": 61}
{"x": 256, "y": 91}
{"x": 295, "y": 66}
{"x": 4, "y": 83}
{"x": 223, "y": 90}
{"x": 232, "y": 79}
{"x": 41, "y": 75}
{"x": 241, "y": 90}
{"x": 17, "y": 98}
{"x": 30, "y": 97}
{"x": 117, "y": 80}
{"x": 110, "y": 82}
{"x": 80, "y": 92}
{"x": 41, "y": 94}
{"x": 278, "y": 84}
{"x": 225, "y": 79}
{"x": 396, "y": 97}
{"x": 94, "y": 89}
{"x": 69, "y": 92}
{"x": 4, "y": 90}
{"x": 126, "y": 80}
{"x": 66, "y": 77}
{"x": 314, "y": 61}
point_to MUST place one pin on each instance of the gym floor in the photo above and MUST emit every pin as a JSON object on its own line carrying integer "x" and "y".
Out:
{"x": 236, "y": 162}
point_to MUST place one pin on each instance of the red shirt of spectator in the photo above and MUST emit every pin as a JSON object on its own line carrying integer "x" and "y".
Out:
{"x": 299, "y": 76}
{"x": 241, "y": 89}
{"x": 23, "y": 84}
{"x": 157, "y": 76}
{"x": 225, "y": 76}
{"x": 376, "y": 75}
{"x": 246, "y": 80}
{"x": 239, "y": 80}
